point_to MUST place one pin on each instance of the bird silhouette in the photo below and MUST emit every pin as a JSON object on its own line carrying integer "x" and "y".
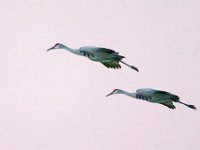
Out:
{"x": 154, "y": 96}
{"x": 107, "y": 57}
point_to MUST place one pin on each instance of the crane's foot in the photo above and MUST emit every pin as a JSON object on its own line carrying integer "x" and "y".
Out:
{"x": 136, "y": 69}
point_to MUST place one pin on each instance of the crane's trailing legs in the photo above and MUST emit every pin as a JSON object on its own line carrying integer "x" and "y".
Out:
{"x": 190, "y": 106}
{"x": 133, "y": 67}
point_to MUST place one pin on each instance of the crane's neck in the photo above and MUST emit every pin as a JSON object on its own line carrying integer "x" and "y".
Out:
{"x": 75, "y": 51}
{"x": 126, "y": 93}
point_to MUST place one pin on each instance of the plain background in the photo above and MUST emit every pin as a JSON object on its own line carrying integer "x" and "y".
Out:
{"x": 56, "y": 100}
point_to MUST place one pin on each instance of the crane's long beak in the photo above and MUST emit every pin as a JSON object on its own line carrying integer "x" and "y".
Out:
{"x": 50, "y": 49}
{"x": 109, "y": 94}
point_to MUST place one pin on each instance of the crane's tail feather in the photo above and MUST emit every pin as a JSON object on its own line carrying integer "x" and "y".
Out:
{"x": 190, "y": 106}
{"x": 133, "y": 67}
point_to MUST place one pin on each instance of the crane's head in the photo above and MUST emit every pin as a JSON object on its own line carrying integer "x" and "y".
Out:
{"x": 115, "y": 91}
{"x": 56, "y": 46}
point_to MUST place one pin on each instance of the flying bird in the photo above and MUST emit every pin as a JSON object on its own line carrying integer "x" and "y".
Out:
{"x": 154, "y": 96}
{"x": 107, "y": 57}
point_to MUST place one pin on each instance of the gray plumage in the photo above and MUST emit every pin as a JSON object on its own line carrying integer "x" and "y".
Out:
{"x": 154, "y": 96}
{"x": 107, "y": 57}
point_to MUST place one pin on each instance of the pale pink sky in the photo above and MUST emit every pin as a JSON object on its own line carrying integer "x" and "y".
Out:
{"x": 56, "y": 100}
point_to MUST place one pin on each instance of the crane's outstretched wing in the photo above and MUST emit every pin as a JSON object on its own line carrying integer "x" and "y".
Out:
{"x": 107, "y": 55}
{"x": 161, "y": 97}
{"x": 108, "y": 58}
{"x": 155, "y": 96}
{"x": 112, "y": 64}
{"x": 106, "y": 50}
{"x": 169, "y": 105}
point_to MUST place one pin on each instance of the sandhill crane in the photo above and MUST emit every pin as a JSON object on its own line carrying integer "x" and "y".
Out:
{"x": 107, "y": 57}
{"x": 154, "y": 96}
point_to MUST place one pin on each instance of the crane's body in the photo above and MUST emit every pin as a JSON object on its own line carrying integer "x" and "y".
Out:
{"x": 154, "y": 96}
{"x": 107, "y": 57}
